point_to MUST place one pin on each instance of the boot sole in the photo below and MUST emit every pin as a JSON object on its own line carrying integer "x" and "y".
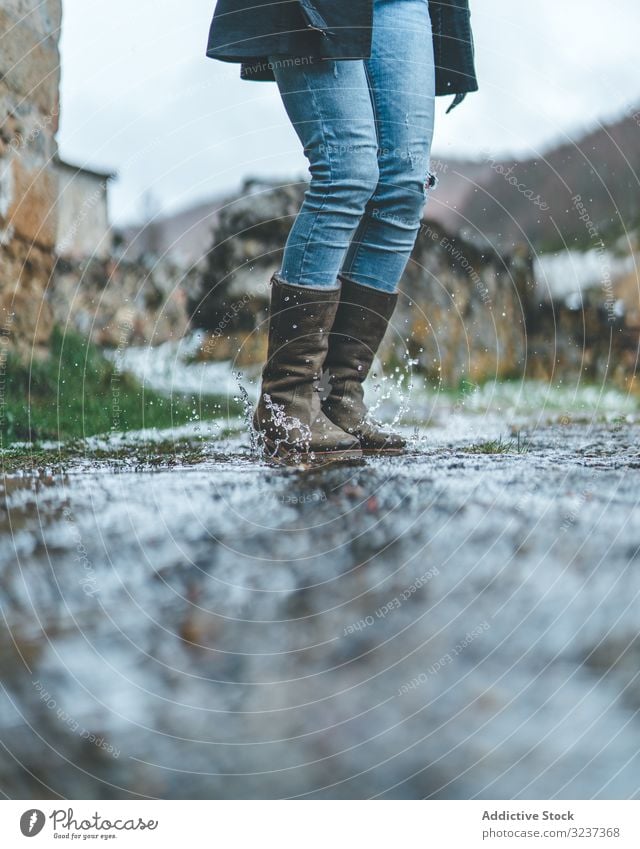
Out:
{"x": 282, "y": 454}
{"x": 392, "y": 451}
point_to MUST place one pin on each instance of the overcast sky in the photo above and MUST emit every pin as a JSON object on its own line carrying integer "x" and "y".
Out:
{"x": 139, "y": 97}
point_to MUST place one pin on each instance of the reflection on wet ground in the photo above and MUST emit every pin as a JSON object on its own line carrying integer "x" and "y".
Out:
{"x": 458, "y": 623}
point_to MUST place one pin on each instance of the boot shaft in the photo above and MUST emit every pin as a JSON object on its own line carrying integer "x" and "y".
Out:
{"x": 298, "y": 338}
{"x": 360, "y": 324}
{"x": 289, "y": 414}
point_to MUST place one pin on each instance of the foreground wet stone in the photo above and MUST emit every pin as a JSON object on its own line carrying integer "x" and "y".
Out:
{"x": 458, "y": 623}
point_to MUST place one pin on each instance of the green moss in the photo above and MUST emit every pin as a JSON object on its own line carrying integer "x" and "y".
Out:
{"x": 133, "y": 457}
{"x": 76, "y": 392}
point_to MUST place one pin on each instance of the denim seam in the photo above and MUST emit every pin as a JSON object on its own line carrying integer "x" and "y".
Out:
{"x": 365, "y": 221}
{"x": 310, "y": 230}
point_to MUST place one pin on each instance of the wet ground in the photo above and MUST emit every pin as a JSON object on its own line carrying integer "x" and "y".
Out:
{"x": 458, "y": 623}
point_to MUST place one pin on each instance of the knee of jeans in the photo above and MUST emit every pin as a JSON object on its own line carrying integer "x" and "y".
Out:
{"x": 360, "y": 188}
{"x": 352, "y": 183}
{"x": 406, "y": 200}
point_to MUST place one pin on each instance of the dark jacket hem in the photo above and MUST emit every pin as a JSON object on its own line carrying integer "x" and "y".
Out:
{"x": 297, "y": 32}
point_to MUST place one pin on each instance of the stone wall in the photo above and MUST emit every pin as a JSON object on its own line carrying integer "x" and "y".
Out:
{"x": 116, "y": 303}
{"x": 29, "y": 110}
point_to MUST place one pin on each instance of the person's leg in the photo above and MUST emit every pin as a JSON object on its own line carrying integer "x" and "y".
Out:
{"x": 402, "y": 86}
{"x": 330, "y": 108}
{"x": 329, "y": 105}
{"x": 401, "y": 78}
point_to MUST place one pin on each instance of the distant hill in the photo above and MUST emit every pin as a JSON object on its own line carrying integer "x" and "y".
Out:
{"x": 533, "y": 201}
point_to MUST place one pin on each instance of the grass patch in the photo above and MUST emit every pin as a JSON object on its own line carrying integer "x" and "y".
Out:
{"x": 499, "y": 446}
{"x": 76, "y": 392}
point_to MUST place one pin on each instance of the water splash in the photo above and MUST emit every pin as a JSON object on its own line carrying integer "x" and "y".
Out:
{"x": 393, "y": 386}
{"x": 247, "y": 414}
{"x": 296, "y": 435}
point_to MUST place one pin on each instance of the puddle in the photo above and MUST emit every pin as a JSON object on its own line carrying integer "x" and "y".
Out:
{"x": 445, "y": 624}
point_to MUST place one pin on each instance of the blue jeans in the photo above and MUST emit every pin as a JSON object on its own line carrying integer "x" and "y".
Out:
{"x": 366, "y": 127}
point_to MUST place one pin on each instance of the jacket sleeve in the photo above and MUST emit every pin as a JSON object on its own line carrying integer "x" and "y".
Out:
{"x": 453, "y": 48}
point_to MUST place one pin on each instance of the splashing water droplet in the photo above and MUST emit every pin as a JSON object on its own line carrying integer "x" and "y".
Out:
{"x": 296, "y": 435}
{"x": 385, "y": 389}
{"x": 247, "y": 414}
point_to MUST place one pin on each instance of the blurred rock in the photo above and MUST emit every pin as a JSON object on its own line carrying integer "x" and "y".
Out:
{"x": 119, "y": 303}
{"x": 247, "y": 244}
{"x": 591, "y": 335}
{"x": 462, "y": 311}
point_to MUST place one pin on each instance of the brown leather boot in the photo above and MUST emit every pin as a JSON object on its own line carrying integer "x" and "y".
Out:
{"x": 360, "y": 323}
{"x": 289, "y": 417}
